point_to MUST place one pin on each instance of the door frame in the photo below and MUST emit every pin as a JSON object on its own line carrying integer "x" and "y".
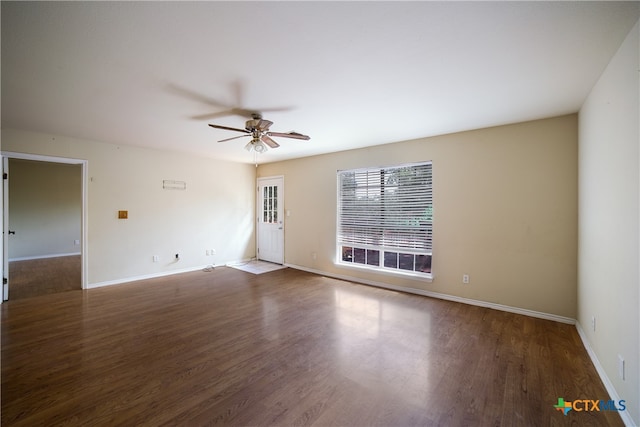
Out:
{"x": 258, "y": 211}
{"x": 84, "y": 258}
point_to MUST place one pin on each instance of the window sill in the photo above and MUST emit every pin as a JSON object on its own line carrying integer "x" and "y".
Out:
{"x": 424, "y": 277}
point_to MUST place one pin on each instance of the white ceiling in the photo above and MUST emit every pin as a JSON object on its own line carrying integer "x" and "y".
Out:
{"x": 352, "y": 74}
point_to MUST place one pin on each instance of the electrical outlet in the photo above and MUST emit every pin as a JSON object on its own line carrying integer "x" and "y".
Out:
{"x": 593, "y": 323}
{"x": 465, "y": 278}
{"x": 177, "y": 257}
{"x": 621, "y": 367}
{"x": 76, "y": 242}
{"x": 208, "y": 252}
{"x": 212, "y": 251}
{"x": 156, "y": 258}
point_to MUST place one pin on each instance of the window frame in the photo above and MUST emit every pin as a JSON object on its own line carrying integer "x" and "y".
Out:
{"x": 382, "y": 254}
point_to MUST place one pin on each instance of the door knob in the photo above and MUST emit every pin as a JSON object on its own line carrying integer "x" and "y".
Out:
{"x": 12, "y": 232}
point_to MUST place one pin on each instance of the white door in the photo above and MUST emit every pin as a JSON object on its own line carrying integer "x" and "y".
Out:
{"x": 5, "y": 228}
{"x": 270, "y": 221}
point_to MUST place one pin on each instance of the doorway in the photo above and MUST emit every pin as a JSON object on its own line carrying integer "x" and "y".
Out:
{"x": 270, "y": 221}
{"x": 44, "y": 234}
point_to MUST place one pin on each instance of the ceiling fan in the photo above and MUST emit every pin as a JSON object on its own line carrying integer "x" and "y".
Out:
{"x": 229, "y": 109}
{"x": 258, "y": 129}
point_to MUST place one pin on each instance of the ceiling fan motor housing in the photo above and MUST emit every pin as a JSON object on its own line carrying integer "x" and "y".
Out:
{"x": 250, "y": 125}
{"x": 258, "y": 125}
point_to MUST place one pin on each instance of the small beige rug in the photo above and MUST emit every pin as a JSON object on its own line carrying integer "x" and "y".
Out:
{"x": 257, "y": 266}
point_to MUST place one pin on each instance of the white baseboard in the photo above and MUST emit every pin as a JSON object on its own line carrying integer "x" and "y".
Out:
{"x": 148, "y": 276}
{"x": 438, "y": 295}
{"x": 613, "y": 394}
{"x": 27, "y": 258}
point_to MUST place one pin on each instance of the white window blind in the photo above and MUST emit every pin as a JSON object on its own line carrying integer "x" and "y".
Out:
{"x": 385, "y": 217}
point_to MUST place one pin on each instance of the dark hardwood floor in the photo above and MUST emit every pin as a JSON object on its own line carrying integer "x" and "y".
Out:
{"x": 35, "y": 277}
{"x": 285, "y": 348}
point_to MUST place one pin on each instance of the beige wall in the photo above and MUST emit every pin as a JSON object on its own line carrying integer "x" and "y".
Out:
{"x": 505, "y": 212}
{"x": 215, "y": 212}
{"x": 45, "y": 207}
{"x": 609, "y": 250}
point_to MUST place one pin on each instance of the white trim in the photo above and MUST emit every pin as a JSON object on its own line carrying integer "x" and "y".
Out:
{"x": 3, "y": 268}
{"x": 5, "y": 230}
{"x": 613, "y": 394}
{"x": 501, "y": 307}
{"x": 414, "y": 275}
{"x": 27, "y": 258}
{"x": 148, "y": 276}
{"x": 42, "y": 158}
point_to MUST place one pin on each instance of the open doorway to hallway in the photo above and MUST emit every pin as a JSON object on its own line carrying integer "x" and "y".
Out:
{"x": 45, "y": 227}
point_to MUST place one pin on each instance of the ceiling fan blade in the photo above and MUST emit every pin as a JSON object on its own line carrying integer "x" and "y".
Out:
{"x": 233, "y": 137}
{"x": 231, "y": 109}
{"x": 242, "y": 112}
{"x": 196, "y": 96}
{"x": 270, "y": 142}
{"x": 294, "y": 135}
{"x": 275, "y": 109}
{"x": 229, "y": 128}
{"x": 263, "y": 125}
{"x": 213, "y": 115}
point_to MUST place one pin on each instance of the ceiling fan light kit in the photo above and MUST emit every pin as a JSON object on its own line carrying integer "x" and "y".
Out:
{"x": 256, "y": 145}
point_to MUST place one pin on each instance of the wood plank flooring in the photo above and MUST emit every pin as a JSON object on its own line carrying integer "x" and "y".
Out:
{"x": 35, "y": 277}
{"x": 285, "y": 348}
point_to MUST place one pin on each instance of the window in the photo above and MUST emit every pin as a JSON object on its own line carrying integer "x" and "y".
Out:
{"x": 270, "y": 204}
{"x": 385, "y": 218}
